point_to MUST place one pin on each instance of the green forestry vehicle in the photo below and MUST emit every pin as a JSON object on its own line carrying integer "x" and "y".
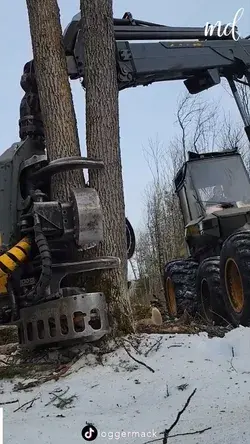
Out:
{"x": 214, "y": 195}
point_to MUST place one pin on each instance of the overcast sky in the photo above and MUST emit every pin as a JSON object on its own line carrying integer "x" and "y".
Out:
{"x": 145, "y": 113}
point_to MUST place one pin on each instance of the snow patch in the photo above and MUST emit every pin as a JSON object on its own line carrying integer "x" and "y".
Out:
{"x": 120, "y": 394}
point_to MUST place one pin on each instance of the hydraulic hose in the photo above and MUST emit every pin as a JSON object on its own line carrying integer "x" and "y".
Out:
{"x": 38, "y": 292}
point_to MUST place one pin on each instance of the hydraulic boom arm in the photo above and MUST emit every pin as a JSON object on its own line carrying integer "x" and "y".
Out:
{"x": 145, "y": 63}
{"x": 183, "y": 54}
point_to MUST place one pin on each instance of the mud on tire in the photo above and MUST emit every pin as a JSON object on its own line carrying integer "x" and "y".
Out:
{"x": 180, "y": 287}
{"x": 235, "y": 277}
{"x": 209, "y": 291}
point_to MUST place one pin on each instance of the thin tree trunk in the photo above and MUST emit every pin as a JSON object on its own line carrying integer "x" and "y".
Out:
{"x": 102, "y": 133}
{"x": 54, "y": 91}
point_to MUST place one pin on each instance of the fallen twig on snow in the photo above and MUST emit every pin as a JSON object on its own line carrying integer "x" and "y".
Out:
{"x": 9, "y": 402}
{"x": 197, "y": 432}
{"x": 55, "y": 395}
{"x": 34, "y": 383}
{"x": 137, "y": 360}
{"x": 132, "y": 345}
{"x": 62, "y": 402}
{"x": 156, "y": 345}
{"x": 167, "y": 431}
{"x": 182, "y": 387}
{"x": 29, "y": 404}
{"x": 231, "y": 361}
{"x": 167, "y": 392}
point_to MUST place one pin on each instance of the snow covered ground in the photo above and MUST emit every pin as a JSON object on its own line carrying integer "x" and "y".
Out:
{"x": 128, "y": 403}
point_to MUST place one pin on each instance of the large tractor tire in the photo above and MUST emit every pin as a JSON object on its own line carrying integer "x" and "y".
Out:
{"x": 180, "y": 287}
{"x": 209, "y": 292}
{"x": 235, "y": 277}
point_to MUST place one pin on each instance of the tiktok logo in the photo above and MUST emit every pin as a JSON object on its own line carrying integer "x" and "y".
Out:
{"x": 89, "y": 432}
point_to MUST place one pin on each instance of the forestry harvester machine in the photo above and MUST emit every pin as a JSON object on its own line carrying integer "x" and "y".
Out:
{"x": 38, "y": 235}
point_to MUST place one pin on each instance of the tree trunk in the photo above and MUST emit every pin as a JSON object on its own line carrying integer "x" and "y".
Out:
{"x": 54, "y": 91}
{"x": 102, "y": 137}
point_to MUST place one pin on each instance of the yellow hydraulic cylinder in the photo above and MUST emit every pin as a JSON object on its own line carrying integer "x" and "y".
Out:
{"x": 10, "y": 260}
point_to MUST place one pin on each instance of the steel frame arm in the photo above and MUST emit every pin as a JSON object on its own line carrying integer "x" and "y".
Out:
{"x": 145, "y": 63}
{"x": 148, "y": 62}
{"x": 198, "y": 60}
{"x": 129, "y": 28}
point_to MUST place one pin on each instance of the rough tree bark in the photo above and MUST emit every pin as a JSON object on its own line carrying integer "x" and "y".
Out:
{"x": 102, "y": 137}
{"x": 54, "y": 90}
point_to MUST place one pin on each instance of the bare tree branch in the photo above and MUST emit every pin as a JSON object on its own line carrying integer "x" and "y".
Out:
{"x": 136, "y": 360}
{"x": 166, "y": 432}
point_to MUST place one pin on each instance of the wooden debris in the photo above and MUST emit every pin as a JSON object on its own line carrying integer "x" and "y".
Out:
{"x": 7, "y": 349}
{"x": 8, "y": 334}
